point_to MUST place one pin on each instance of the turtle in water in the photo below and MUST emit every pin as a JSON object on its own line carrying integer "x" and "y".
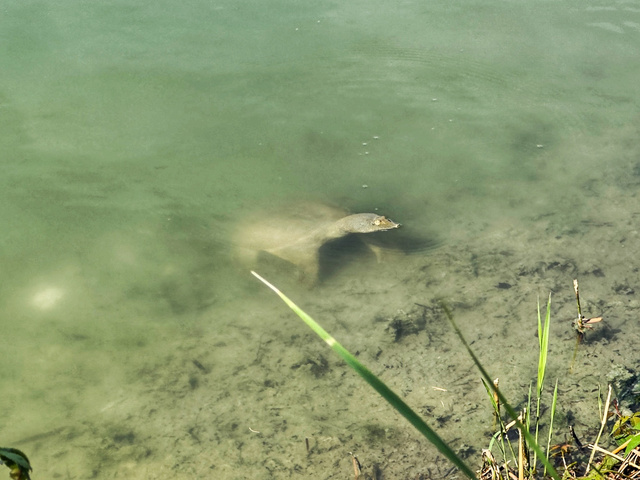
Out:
{"x": 297, "y": 236}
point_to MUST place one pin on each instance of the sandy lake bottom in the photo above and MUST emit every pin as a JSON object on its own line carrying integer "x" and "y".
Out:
{"x": 234, "y": 392}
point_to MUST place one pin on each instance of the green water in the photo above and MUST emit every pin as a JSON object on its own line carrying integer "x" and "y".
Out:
{"x": 135, "y": 134}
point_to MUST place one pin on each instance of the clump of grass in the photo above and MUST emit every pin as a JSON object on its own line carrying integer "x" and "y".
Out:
{"x": 518, "y": 419}
{"x": 525, "y": 468}
{"x": 543, "y": 342}
{"x": 626, "y": 430}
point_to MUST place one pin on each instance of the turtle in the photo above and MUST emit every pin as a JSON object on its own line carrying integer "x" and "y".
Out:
{"x": 297, "y": 235}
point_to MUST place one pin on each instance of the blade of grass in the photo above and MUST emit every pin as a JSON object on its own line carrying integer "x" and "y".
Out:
{"x": 491, "y": 397}
{"x": 543, "y": 339}
{"x": 377, "y": 384}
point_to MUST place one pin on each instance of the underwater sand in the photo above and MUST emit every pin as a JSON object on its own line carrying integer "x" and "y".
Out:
{"x": 502, "y": 136}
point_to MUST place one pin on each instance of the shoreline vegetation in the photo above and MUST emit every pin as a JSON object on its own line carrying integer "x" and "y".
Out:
{"x": 523, "y": 454}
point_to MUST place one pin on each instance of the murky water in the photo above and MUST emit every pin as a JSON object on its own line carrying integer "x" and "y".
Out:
{"x": 135, "y": 136}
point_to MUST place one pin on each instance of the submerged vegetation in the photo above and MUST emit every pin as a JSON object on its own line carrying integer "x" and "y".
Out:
{"x": 581, "y": 324}
{"x": 525, "y": 455}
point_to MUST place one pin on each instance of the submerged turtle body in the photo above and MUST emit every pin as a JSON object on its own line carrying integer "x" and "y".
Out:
{"x": 298, "y": 236}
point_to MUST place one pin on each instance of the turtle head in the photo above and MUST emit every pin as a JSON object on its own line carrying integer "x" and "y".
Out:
{"x": 368, "y": 222}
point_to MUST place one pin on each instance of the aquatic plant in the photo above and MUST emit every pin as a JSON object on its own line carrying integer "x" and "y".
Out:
{"x": 493, "y": 469}
{"x": 581, "y": 324}
{"x": 17, "y": 462}
{"x": 623, "y": 462}
{"x": 519, "y": 420}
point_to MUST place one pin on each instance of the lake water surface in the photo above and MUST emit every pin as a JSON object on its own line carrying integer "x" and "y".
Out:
{"x": 135, "y": 135}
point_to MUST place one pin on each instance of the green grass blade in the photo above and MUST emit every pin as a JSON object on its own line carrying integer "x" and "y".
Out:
{"x": 377, "y": 384}
{"x": 539, "y": 326}
{"x": 489, "y": 390}
{"x": 543, "y": 342}
{"x": 543, "y": 339}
